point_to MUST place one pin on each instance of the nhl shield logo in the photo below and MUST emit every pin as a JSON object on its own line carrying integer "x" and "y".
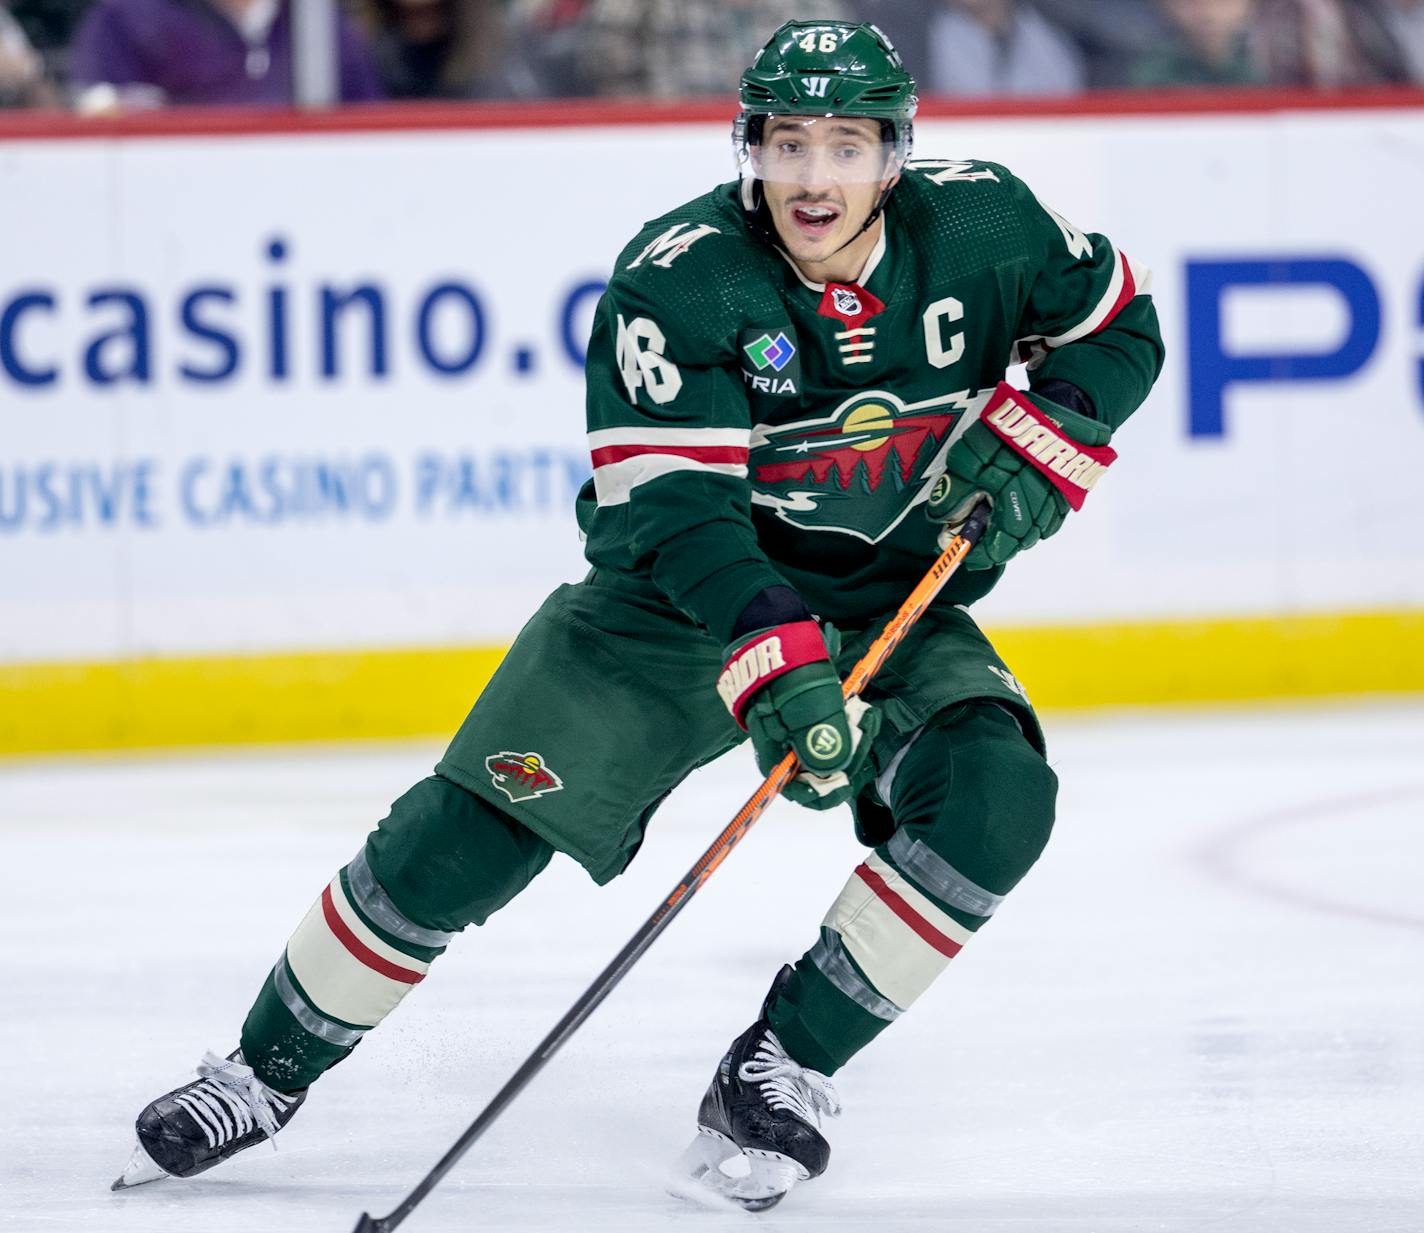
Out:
{"x": 846, "y": 302}
{"x": 521, "y": 777}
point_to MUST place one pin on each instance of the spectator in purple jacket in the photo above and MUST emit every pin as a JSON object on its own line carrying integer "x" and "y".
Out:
{"x": 202, "y": 52}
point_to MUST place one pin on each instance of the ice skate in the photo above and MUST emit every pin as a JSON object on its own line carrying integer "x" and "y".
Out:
{"x": 760, "y": 1116}
{"x": 192, "y": 1128}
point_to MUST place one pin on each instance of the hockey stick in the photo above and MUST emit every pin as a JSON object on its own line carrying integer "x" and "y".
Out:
{"x": 860, "y": 676}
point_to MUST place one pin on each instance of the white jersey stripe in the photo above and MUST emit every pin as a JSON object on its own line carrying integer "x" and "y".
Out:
{"x": 614, "y": 482}
{"x": 652, "y": 437}
{"x": 1100, "y": 310}
{"x": 1032, "y": 349}
{"x": 1141, "y": 275}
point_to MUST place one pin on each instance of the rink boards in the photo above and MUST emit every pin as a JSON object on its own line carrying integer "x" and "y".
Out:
{"x": 293, "y": 413}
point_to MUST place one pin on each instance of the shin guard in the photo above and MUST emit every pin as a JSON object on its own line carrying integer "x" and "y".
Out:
{"x": 348, "y": 965}
{"x": 441, "y": 860}
{"x": 973, "y": 807}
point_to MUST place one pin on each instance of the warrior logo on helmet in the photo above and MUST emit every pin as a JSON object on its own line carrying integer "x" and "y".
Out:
{"x": 862, "y": 468}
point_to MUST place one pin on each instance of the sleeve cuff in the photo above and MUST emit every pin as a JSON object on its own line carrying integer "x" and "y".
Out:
{"x": 721, "y": 597}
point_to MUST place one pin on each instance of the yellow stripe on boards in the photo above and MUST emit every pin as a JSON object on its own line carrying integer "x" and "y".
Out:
{"x": 1216, "y": 659}
{"x": 332, "y": 695}
{"x": 341, "y": 695}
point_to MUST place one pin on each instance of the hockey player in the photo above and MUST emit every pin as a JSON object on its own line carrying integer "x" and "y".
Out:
{"x": 795, "y": 389}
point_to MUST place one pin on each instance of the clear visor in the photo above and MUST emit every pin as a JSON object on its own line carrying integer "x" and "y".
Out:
{"x": 816, "y": 150}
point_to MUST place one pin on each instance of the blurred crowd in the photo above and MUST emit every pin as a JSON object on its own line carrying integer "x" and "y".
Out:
{"x": 107, "y": 55}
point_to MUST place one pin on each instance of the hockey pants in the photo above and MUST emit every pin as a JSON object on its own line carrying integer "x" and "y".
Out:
{"x": 958, "y": 815}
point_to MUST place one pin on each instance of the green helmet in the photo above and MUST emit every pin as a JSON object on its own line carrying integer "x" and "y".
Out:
{"x": 821, "y": 68}
{"x": 825, "y": 68}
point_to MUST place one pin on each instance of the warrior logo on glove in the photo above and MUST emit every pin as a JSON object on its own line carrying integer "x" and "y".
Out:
{"x": 1072, "y": 468}
{"x": 824, "y": 741}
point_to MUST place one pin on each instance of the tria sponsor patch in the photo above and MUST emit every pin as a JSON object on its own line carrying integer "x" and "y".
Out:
{"x": 768, "y": 352}
{"x": 521, "y": 777}
{"x": 773, "y": 363}
{"x": 769, "y": 385}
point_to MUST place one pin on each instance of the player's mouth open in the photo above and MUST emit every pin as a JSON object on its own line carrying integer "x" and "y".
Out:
{"x": 814, "y": 220}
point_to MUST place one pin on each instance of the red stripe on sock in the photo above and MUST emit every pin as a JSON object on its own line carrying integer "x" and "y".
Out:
{"x": 946, "y": 946}
{"x": 360, "y": 950}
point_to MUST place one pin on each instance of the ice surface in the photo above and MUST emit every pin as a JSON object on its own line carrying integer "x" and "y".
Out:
{"x": 1203, "y": 1010}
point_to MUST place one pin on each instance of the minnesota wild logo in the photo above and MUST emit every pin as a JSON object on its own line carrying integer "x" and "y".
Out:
{"x": 862, "y": 468}
{"x": 521, "y": 777}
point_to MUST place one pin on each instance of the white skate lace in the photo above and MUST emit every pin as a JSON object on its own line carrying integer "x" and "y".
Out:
{"x": 787, "y": 1085}
{"x": 231, "y": 1100}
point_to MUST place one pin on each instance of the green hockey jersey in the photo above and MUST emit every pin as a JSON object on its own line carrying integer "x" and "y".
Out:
{"x": 750, "y": 428}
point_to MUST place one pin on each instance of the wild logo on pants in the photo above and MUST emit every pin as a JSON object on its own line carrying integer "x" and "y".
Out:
{"x": 521, "y": 777}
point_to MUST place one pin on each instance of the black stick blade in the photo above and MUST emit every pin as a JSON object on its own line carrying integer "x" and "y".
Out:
{"x": 370, "y": 1224}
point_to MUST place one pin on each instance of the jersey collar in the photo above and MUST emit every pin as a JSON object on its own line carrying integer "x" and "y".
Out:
{"x": 871, "y": 262}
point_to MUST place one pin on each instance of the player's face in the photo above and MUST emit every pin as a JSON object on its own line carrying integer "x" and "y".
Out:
{"x": 821, "y": 177}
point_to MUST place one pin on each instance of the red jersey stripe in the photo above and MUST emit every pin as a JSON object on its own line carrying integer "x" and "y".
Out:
{"x": 1125, "y": 296}
{"x": 946, "y": 946}
{"x": 359, "y": 949}
{"x": 698, "y": 453}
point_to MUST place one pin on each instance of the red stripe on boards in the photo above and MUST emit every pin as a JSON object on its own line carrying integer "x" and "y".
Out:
{"x": 946, "y": 946}
{"x": 701, "y": 453}
{"x": 409, "y": 117}
{"x": 359, "y": 949}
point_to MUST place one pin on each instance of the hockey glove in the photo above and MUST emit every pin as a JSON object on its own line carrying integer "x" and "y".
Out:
{"x": 1033, "y": 459}
{"x": 781, "y": 686}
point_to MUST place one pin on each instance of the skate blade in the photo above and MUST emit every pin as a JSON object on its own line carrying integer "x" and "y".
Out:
{"x": 701, "y": 1177}
{"x": 140, "y": 1169}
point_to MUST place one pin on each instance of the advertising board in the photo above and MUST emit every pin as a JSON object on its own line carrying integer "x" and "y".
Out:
{"x": 310, "y": 393}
